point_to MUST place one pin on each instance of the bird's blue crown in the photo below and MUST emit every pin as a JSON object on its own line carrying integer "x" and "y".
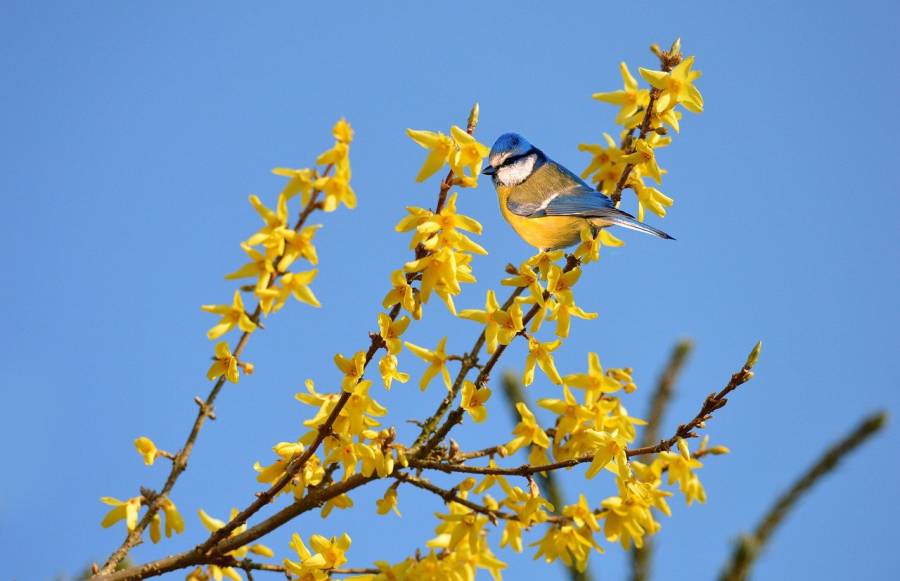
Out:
{"x": 508, "y": 145}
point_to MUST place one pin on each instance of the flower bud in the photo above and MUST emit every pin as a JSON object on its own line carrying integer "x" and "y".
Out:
{"x": 754, "y": 356}
{"x": 676, "y": 47}
{"x": 473, "y": 117}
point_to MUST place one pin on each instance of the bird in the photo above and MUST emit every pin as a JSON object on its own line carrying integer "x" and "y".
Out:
{"x": 547, "y": 205}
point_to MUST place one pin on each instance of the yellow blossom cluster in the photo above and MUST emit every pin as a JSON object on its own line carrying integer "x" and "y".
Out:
{"x": 644, "y": 114}
{"x": 443, "y": 253}
{"x": 355, "y": 445}
{"x": 571, "y": 542}
{"x": 594, "y": 427}
{"x": 277, "y": 244}
{"x": 597, "y": 428}
{"x": 457, "y": 552}
{"x": 548, "y": 296}
{"x": 447, "y": 255}
{"x": 271, "y": 250}
{"x": 316, "y": 566}
{"x": 459, "y": 150}
{"x": 600, "y": 433}
{"x": 129, "y": 511}
{"x": 680, "y": 468}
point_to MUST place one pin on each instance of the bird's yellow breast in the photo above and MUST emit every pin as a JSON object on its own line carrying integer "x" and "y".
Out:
{"x": 545, "y": 233}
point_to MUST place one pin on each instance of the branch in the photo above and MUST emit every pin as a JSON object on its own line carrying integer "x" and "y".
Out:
{"x": 220, "y": 538}
{"x": 750, "y": 546}
{"x": 312, "y": 500}
{"x": 450, "y": 496}
{"x": 713, "y": 402}
{"x": 325, "y": 430}
{"x": 463, "y": 456}
{"x": 179, "y": 462}
{"x": 249, "y": 565}
{"x": 640, "y": 557}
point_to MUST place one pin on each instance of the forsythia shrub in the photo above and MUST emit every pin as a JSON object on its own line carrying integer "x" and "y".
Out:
{"x": 345, "y": 446}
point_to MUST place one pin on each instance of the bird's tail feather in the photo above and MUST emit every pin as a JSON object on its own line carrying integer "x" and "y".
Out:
{"x": 617, "y": 217}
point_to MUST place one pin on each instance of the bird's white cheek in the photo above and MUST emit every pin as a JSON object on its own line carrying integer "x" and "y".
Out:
{"x": 516, "y": 173}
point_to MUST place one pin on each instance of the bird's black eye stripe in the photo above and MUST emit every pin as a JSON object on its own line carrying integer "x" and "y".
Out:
{"x": 513, "y": 159}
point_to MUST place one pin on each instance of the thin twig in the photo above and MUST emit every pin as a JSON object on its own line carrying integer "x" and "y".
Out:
{"x": 449, "y": 496}
{"x": 250, "y": 565}
{"x": 750, "y": 546}
{"x": 489, "y": 451}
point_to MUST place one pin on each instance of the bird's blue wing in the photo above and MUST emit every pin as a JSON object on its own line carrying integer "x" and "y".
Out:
{"x": 552, "y": 190}
{"x": 555, "y": 191}
{"x": 589, "y": 204}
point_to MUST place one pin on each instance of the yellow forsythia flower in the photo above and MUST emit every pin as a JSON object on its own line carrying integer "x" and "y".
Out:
{"x": 300, "y": 181}
{"x": 527, "y": 431}
{"x": 122, "y": 510}
{"x": 677, "y": 86}
{"x": 224, "y": 364}
{"x": 391, "y": 331}
{"x": 387, "y": 366}
{"x": 232, "y": 315}
{"x": 469, "y": 154}
{"x": 299, "y": 245}
{"x": 437, "y": 362}
{"x": 259, "y": 266}
{"x": 401, "y": 292}
{"x": 147, "y": 449}
{"x": 500, "y": 326}
{"x": 329, "y": 554}
{"x": 439, "y": 148}
{"x": 595, "y": 383}
{"x": 631, "y": 99}
{"x": 680, "y": 467}
{"x": 174, "y": 521}
{"x": 473, "y": 400}
{"x": 388, "y": 502}
{"x": 540, "y": 354}
{"x": 352, "y": 369}
{"x": 337, "y": 190}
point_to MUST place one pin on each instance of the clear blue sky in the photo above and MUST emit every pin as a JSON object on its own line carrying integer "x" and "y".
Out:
{"x": 133, "y": 133}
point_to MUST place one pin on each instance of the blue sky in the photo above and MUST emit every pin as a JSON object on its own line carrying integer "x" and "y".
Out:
{"x": 135, "y": 131}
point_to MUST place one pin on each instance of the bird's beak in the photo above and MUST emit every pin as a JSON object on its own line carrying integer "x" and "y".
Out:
{"x": 489, "y": 170}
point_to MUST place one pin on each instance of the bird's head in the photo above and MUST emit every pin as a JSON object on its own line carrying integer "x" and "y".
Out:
{"x": 512, "y": 160}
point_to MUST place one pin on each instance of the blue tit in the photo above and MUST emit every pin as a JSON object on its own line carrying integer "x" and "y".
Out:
{"x": 546, "y": 204}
